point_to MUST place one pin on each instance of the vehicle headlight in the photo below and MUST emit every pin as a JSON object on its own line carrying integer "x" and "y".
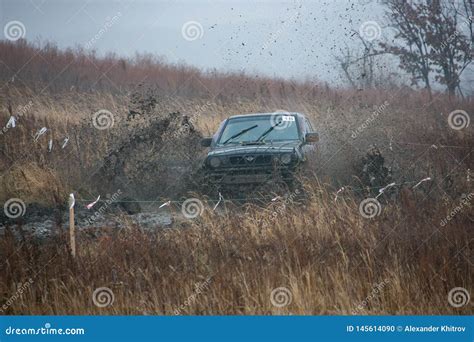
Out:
{"x": 285, "y": 158}
{"x": 214, "y": 162}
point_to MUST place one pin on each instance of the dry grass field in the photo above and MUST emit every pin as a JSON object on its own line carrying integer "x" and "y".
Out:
{"x": 329, "y": 258}
{"x": 317, "y": 255}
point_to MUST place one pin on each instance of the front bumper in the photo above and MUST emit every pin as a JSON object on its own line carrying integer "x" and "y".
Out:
{"x": 237, "y": 176}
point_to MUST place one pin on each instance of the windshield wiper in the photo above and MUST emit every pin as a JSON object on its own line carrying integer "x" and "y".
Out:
{"x": 239, "y": 134}
{"x": 264, "y": 134}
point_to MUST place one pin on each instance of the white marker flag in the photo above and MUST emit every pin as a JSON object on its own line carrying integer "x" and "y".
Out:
{"x": 72, "y": 201}
{"x": 423, "y": 180}
{"x": 11, "y": 122}
{"x": 90, "y": 205}
{"x": 66, "y": 140}
{"x": 337, "y": 193}
{"x": 164, "y": 204}
{"x": 217, "y": 204}
{"x": 40, "y": 133}
{"x": 381, "y": 191}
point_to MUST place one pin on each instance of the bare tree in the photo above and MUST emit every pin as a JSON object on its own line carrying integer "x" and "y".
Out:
{"x": 363, "y": 68}
{"x": 433, "y": 39}
{"x": 346, "y": 60}
{"x": 450, "y": 43}
{"x": 409, "y": 22}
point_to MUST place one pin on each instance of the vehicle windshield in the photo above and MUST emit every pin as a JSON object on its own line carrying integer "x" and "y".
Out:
{"x": 254, "y": 129}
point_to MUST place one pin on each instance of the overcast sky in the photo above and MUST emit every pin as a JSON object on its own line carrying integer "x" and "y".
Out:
{"x": 293, "y": 38}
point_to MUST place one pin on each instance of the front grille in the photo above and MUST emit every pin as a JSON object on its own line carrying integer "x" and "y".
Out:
{"x": 250, "y": 160}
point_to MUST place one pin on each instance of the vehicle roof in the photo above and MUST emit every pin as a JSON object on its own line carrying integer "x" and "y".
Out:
{"x": 264, "y": 114}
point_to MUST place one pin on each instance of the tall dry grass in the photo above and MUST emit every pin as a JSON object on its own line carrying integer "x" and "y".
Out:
{"x": 326, "y": 254}
{"x": 323, "y": 251}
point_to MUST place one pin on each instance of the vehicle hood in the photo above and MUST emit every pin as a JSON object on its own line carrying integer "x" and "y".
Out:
{"x": 268, "y": 148}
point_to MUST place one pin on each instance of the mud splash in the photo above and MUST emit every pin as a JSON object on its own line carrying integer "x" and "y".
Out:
{"x": 153, "y": 161}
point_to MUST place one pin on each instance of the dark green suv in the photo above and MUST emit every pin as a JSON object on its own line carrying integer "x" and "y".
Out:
{"x": 254, "y": 148}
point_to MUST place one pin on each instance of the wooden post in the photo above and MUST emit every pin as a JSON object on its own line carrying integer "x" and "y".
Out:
{"x": 72, "y": 236}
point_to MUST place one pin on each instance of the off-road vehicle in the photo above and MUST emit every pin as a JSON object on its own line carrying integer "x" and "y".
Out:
{"x": 255, "y": 148}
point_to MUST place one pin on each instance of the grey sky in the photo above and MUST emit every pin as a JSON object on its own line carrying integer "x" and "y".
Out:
{"x": 290, "y": 38}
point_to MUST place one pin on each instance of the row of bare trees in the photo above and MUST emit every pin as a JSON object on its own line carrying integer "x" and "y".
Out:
{"x": 432, "y": 41}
